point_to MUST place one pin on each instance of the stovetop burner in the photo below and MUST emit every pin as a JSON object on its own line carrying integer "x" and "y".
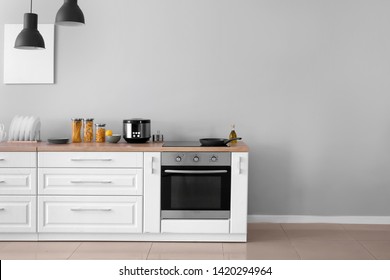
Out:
{"x": 181, "y": 144}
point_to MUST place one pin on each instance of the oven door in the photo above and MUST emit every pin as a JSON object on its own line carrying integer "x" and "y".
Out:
{"x": 195, "y": 192}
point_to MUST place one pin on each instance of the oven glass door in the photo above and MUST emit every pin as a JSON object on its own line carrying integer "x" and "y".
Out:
{"x": 195, "y": 192}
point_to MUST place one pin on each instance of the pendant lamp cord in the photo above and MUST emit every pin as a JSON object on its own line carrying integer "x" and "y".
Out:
{"x": 31, "y": 6}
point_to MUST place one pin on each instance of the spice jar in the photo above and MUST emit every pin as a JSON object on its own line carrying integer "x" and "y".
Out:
{"x": 88, "y": 130}
{"x": 76, "y": 130}
{"x": 100, "y": 130}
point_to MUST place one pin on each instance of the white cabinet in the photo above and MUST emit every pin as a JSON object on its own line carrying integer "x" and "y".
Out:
{"x": 152, "y": 180}
{"x": 17, "y": 214}
{"x": 18, "y": 159}
{"x": 104, "y": 196}
{"x": 90, "y": 192}
{"x": 239, "y": 193}
{"x": 89, "y": 181}
{"x": 18, "y": 181}
{"x": 90, "y": 214}
{"x": 18, "y": 190}
{"x": 90, "y": 159}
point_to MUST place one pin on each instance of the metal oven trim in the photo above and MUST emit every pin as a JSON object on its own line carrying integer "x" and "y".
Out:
{"x": 195, "y": 214}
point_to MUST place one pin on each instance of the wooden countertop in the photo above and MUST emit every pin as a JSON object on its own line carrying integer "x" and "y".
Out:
{"x": 18, "y": 147}
{"x": 108, "y": 147}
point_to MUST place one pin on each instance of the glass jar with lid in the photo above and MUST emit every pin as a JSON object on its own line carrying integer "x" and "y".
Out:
{"x": 76, "y": 130}
{"x": 100, "y": 132}
{"x": 88, "y": 130}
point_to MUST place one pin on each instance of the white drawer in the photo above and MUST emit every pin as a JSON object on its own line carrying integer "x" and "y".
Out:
{"x": 87, "y": 181}
{"x": 195, "y": 226}
{"x": 115, "y": 214}
{"x": 90, "y": 159}
{"x": 18, "y": 181}
{"x": 18, "y": 159}
{"x": 17, "y": 214}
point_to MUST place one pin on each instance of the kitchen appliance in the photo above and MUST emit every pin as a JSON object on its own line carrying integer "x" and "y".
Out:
{"x": 195, "y": 185}
{"x": 181, "y": 144}
{"x": 217, "y": 141}
{"x": 201, "y": 143}
{"x": 136, "y": 130}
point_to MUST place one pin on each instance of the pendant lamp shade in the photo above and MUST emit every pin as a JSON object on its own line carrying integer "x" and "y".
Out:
{"x": 30, "y": 38}
{"x": 70, "y": 14}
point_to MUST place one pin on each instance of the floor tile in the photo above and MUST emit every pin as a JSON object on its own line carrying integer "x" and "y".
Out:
{"x": 111, "y": 251}
{"x": 2, "y": 244}
{"x": 368, "y": 232}
{"x": 331, "y": 250}
{"x": 385, "y": 227}
{"x": 316, "y": 231}
{"x": 264, "y": 226}
{"x": 267, "y": 250}
{"x": 265, "y": 241}
{"x": 266, "y": 232}
{"x": 38, "y": 250}
{"x": 378, "y": 248}
{"x": 186, "y": 251}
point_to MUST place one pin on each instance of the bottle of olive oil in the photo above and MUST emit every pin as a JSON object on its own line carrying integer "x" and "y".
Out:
{"x": 233, "y": 134}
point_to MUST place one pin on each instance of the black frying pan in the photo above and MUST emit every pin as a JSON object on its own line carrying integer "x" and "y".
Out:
{"x": 216, "y": 141}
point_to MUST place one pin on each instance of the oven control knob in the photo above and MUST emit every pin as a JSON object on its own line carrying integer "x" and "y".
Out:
{"x": 196, "y": 158}
{"x": 178, "y": 159}
{"x": 214, "y": 158}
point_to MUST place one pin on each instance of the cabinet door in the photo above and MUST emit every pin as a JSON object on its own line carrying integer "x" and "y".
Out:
{"x": 152, "y": 183}
{"x": 18, "y": 181}
{"x": 18, "y": 159}
{"x": 88, "y": 181}
{"x": 111, "y": 214}
{"x": 239, "y": 193}
{"x": 91, "y": 159}
{"x": 17, "y": 214}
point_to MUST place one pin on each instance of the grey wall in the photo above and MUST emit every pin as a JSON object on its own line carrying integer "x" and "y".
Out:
{"x": 306, "y": 83}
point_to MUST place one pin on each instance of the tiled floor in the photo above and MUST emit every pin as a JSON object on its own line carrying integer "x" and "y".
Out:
{"x": 265, "y": 241}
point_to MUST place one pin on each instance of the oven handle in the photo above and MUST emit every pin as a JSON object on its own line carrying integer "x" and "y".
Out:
{"x": 195, "y": 171}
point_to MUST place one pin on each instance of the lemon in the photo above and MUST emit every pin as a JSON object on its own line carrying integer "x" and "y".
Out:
{"x": 108, "y": 132}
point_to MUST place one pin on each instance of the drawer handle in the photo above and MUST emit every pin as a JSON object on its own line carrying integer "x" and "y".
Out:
{"x": 2, "y": 181}
{"x": 91, "y": 182}
{"x": 2, "y": 159}
{"x": 90, "y": 209}
{"x": 91, "y": 159}
{"x": 2, "y": 209}
{"x": 239, "y": 165}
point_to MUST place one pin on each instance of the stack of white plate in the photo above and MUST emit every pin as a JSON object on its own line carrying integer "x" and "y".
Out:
{"x": 24, "y": 128}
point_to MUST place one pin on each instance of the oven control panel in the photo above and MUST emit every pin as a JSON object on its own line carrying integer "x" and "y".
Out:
{"x": 196, "y": 159}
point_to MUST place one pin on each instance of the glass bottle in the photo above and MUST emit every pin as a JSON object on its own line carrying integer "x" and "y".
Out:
{"x": 88, "y": 130}
{"x": 76, "y": 130}
{"x": 233, "y": 134}
{"x": 100, "y": 131}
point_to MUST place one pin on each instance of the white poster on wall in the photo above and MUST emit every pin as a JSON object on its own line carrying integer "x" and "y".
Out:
{"x": 28, "y": 66}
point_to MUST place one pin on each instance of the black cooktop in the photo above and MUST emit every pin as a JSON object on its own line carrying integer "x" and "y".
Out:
{"x": 181, "y": 144}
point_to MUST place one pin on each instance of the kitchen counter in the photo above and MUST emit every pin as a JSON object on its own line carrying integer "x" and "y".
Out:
{"x": 76, "y": 191}
{"x": 109, "y": 147}
{"x": 18, "y": 147}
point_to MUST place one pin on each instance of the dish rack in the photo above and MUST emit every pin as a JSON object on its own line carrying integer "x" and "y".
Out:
{"x": 25, "y": 129}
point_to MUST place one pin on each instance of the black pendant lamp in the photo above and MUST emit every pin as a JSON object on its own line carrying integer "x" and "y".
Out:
{"x": 30, "y": 38}
{"x": 70, "y": 14}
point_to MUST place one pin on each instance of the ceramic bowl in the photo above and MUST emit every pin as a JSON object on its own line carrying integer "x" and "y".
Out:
{"x": 114, "y": 138}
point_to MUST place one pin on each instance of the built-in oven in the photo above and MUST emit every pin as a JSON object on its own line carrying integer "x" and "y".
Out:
{"x": 195, "y": 185}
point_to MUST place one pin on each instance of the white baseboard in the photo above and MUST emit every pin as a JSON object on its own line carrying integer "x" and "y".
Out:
{"x": 318, "y": 219}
